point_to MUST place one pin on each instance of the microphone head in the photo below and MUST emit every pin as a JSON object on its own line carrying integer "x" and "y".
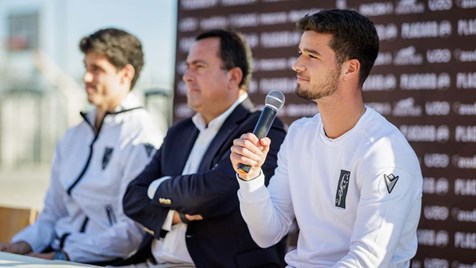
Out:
{"x": 275, "y": 99}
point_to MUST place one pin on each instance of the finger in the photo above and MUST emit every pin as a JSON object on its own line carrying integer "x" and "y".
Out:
{"x": 265, "y": 142}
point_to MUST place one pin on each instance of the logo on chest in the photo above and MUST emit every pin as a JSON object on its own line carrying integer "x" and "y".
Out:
{"x": 342, "y": 188}
{"x": 106, "y": 157}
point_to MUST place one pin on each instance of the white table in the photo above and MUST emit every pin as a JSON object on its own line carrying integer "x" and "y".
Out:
{"x": 14, "y": 260}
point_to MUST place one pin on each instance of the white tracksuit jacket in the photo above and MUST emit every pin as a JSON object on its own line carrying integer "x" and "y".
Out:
{"x": 83, "y": 207}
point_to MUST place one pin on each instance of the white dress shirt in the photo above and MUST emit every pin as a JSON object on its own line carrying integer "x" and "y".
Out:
{"x": 172, "y": 248}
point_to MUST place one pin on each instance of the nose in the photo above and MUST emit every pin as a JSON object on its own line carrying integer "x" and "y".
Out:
{"x": 187, "y": 75}
{"x": 87, "y": 77}
{"x": 297, "y": 66}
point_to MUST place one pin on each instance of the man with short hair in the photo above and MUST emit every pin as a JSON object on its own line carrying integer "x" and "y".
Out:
{"x": 186, "y": 197}
{"x": 347, "y": 175}
{"x": 83, "y": 219}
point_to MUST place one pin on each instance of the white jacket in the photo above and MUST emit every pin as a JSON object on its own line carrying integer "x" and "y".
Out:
{"x": 83, "y": 205}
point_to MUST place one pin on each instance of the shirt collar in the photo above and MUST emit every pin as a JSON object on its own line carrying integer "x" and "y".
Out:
{"x": 217, "y": 122}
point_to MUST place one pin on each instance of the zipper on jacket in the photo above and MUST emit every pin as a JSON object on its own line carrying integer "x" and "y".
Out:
{"x": 83, "y": 171}
{"x": 85, "y": 168}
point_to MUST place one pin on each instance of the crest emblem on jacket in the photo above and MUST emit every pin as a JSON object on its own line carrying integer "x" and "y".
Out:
{"x": 149, "y": 148}
{"x": 342, "y": 188}
{"x": 390, "y": 181}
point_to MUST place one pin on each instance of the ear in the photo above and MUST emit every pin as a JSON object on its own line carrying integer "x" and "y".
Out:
{"x": 351, "y": 69}
{"x": 128, "y": 73}
{"x": 234, "y": 76}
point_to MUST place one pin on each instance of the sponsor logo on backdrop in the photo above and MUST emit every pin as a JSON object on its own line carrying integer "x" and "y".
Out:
{"x": 280, "y": 39}
{"x": 252, "y": 39}
{"x": 299, "y": 110}
{"x": 464, "y": 215}
{"x": 465, "y": 133}
{"x": 435, "y": 5}
{"x": 380, "y": 82}
{"x": 406, "y": 107}
{"x": 435, "y": 263}
{"x": 438, "y": 55}
{"x": 188, "y": 24}
{"x": 465, "y": 187}
{"x": 437, "y": 213}
{"x": 197, "y": 4}
{"x": 253, "y": 87}
{"x": 465, "y": 240}
{"x": 295, "y": 15}
{"x": 271, "y": 64}
{"x": 459, "y": 264}
{"x": 237, "y": 2}
{"x": 383, "y": 58}
{"x": 438, "y": 186}
{"x": 185, "y": 43}
{"x": 376, "y": 9}
{"x": 382, "y": 108}
{"x": 464, "y": 162}
{"x": 425, "y": 133}
{"x": 408, "y": 56}
{"x": 425, "y": 81}
{"x": 273, "y": 18}
{"x": 409, "y": 6}
{"x": 436, "y": 160}
{"x": 243, "y": 20}
{"x": 465, "y": 55}
{"x": 429, "y": 237}
{"x": 386, "y": 32}
{"x": 466, "y": 3}
{"x": 464, "y": 108}
{"x": 214, "y": 22}
{"x": 283, "y": 84}
{"x": 426, "y": 29}
{"x": 466, "y": 80}
{"x": 437, "y": 108}
{"x": 467, "y": 27}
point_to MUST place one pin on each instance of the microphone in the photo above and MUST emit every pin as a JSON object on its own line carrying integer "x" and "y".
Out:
{"x": 273, "y": 102}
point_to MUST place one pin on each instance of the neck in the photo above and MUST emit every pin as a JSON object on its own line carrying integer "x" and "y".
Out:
{"x": 340, "y": 116}
{"x": 100, "y": 114}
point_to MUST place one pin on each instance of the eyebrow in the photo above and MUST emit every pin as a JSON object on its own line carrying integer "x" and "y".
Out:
{"x": 196, "y": 62}
{"x": 311, "y": 51}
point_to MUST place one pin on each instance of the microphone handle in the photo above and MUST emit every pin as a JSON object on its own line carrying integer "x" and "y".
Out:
{"x": 261, "y": 130}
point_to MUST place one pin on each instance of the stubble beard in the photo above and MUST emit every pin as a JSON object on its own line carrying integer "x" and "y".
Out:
{"x": 316, "y": 92}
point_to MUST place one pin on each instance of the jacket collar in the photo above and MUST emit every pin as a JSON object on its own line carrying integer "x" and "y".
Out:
{"x": 131, "y": 102}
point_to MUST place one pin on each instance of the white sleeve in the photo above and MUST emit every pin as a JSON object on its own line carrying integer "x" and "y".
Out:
{"x": 385, "y": 218}
{"x": 40, "y": 234}
{"x": 268, "y": 211}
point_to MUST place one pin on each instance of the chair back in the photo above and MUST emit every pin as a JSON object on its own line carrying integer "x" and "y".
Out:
{"x": 13, "y": 220}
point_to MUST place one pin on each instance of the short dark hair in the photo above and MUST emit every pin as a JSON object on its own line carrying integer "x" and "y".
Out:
{"x": 234, "y": 52}
{"x": 120, "y": 48}
{"x": 353, "y": 36}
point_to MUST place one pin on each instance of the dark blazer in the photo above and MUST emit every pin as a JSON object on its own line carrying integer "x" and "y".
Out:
{"x": 222, "y": 238}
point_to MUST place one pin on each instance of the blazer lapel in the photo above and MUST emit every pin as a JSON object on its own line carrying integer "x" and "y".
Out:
{"x": 229, "y": 126}
{"x": 187, "y": 139}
